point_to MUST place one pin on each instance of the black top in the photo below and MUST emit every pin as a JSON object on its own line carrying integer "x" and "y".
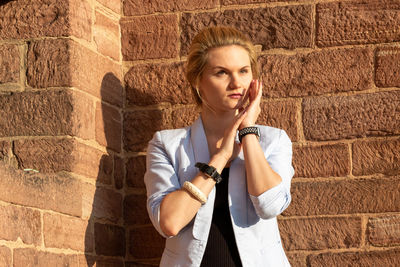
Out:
{"x": 221, "y": 249}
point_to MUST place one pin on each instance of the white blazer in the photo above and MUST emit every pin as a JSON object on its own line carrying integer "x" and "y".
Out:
{"x": 171, "y": 157}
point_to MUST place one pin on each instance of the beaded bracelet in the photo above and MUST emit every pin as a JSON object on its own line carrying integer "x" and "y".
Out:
{"x": 195, "y": 191}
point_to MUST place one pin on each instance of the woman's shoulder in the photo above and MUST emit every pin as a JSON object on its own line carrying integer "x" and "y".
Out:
{"x": 171, "y": 135}
{"x": 271, "y": 134}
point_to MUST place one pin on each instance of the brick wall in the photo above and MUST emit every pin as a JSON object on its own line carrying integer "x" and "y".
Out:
{"x": 85, "y": 83}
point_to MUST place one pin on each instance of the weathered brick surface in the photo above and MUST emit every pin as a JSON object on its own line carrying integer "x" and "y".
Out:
{"x": 387, "y": 73}
{"x": 67, "y": 232}
{"x": 135, "y": 211}
{"x": 5, "y": 256}
{"x": 108, "y": 126}
{"x": 50, "y": 155}
{"x": 140, "y": 125}
{"x": 369, "y": 258}
{"x": 321, "y": 233}
{"x": 149, "y": 37}
{"x": 137, "y": 7}
{"x": 357, "y": 22}
{"x": 280, "y": 114}
{"x": 321, "y": 160}
{"x": 63, "y": 62}
{"x": 106, "y": 36}
{"x": 296, "y": 259}
{"x": 109, "y": 240}
{"x": 114, "y": 5}
{"x": 337, "y": 117}
{"x": 30, "y": 257}
{"x": 107, "y": 205}
{"x": 99, "y": 261}
{"x": 149, "y": 84}
{"x": 345, "y": 196}
{"x": 4, "y": 150}
{"x": 135, "y": 169}
{"x": 59, "y": 112}
{"x": 60, "y": 193}
{"x": 119, "y": 172}
{"x": 376, "y": 156}
{"x": 281, "y": 27}
{"x": 9, "y": 63}
{"x": 316, "y": 73}
{"x": 30, "y": 19}
{"x": 52, "y": 113}
{"x": 384, "y": 231}
{"x": 241, "y": 2}
{"x": 19, "y": 222}
{"x": 145, "y": 242}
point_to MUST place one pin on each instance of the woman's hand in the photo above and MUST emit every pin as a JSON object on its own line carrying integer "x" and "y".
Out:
{"x": 229, "y": 148}
{"x": 253, "y": 108}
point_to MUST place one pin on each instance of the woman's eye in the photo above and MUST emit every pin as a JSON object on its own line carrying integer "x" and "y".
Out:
{"x": 244, "y": 71}
{"x": 221, "y": 72}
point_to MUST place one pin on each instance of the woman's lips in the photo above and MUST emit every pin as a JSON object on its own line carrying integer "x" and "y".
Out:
{"x": 235, "y": 96}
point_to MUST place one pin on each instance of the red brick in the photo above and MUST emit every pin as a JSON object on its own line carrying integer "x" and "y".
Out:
{"x": 114, "y": 5}
{"x": 19, "y": 222}
{"x": 109, "y": 240}
{"x": 241, "y": 2}
{"x": 29, "y": 257}
{"x": 135, "y": 169}
{"x": 99, "y": 261}
{"x": 50, "y": 155}
{"x": 31, "y": 19}
{"x": 138, "y": 7}
{"x": 5, "y": 148}
{"x": 149, "y": 263}
{"x": 387, "y": 73}
{"x": 58, "y": 112}
{"x": 345, "y": 196}
{"x": 296, "y": 259}
{"x": 321, "y": 160}
{"x": 280, "y": 114}
{"x": 384, "y": 231}
{"x": 376, "y": 156}
{"x": 316, "y": 73}
{"x": 108, "y": 126}
{"x": 140, "y": 125}
{"x": 135, "y": 211}
{"x": 321, "y": 233}
{"x": 338, "y": 117}
{"x": 368, "y": 258}
{"x": 149, "y": 84}
{"x": 145, "y": 242}
{"x": 282, "y": 27}
{"x": 88, "y": 192}
{"x": 107, "y": 205}
{"x": 149, "y": 37}
{"x": 9, "y": 63}
{"x": 5, "y": 256}
{"x": 63, "y": 62}
{"x": 67, "y": 232}
{"x": 60, "y": 193}
{"x": 106, "y": 36}
{"x": 119, "y": 172}
{"x": 357, "y": 22}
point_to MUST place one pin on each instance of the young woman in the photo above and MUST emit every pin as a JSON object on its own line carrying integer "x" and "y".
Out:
{"x": 215, "y": 188}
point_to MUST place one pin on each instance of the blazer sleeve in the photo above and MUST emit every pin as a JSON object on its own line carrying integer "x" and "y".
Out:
{"x": 274, "y": 201}
{"x": 160, "y": 178}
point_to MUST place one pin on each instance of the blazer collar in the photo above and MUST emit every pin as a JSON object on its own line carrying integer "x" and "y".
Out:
{"x": 199, "y": 142}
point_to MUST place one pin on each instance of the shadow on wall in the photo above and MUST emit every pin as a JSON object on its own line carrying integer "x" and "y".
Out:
{"x": 118, "y": 230}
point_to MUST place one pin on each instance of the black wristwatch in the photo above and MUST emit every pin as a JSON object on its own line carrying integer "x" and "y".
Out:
{"x": 249, "y": 130}
{"x": 210, "y": 171}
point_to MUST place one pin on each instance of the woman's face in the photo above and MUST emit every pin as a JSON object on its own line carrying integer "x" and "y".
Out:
{"x": 226, "y": 78}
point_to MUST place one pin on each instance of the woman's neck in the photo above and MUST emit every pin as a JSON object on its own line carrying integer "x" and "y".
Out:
{"x": 215, "y": 123}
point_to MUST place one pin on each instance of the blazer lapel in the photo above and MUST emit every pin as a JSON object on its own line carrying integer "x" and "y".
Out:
{"x": 202, "y": 222}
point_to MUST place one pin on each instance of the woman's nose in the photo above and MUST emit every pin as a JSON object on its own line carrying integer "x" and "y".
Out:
{"x": 235, "y": 82}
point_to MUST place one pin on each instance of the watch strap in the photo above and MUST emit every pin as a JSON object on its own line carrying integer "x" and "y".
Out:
{"x": 209, "y": 171}
{"x": 248, "y": 130}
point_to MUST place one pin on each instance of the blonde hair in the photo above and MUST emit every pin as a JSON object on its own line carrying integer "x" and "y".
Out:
{"x": 214, "y": 37}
